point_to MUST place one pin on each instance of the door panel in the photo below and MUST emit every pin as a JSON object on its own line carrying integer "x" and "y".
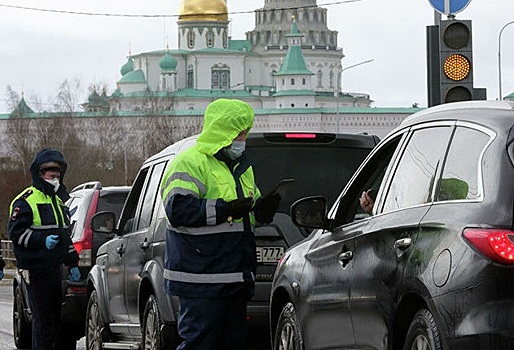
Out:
{"x": 381, "y": 254}
{"x": 114, "y": 279}
{"x": 325, "y": 289}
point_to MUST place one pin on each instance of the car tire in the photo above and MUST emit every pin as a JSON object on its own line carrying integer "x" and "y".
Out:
{"x": 22, "y": 328}
{"x": 288, "y": 335}
{"x": 152, "y": 326}
{"x": 95, "y": 328}
{"x": 423, "y": 333}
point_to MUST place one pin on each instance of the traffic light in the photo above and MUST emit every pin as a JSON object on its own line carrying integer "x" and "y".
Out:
{"x": 456, "y": 61}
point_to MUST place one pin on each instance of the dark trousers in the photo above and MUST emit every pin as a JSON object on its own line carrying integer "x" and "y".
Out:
{"x": 212, "y": 323}
{"x": 45, "y": 298}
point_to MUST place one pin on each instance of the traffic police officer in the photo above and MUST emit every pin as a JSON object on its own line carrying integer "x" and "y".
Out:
{"x": 212, "y": 204}
{"x": 39, "y": 230}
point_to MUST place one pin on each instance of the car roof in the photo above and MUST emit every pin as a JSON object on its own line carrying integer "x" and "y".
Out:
{"x": 342, "y": 139}
{"x": 484, "y": 112}
{"x": 97, "y": 185}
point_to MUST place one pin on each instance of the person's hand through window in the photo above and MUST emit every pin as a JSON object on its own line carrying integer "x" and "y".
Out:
{"x": 367, "y": 200}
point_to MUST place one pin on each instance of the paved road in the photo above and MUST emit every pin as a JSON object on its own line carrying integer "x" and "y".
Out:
{"x": 256, "y": 341}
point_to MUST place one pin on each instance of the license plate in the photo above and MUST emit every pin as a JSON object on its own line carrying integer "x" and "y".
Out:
{"x": 269, "y": 254}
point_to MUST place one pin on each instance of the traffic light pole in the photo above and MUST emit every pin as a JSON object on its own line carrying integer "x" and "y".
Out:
{"x": 500, "y": 97}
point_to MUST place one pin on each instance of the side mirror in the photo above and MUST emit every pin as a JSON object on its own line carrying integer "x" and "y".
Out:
{"x": 103, "y": 222}
{"x": 309, "y": 212}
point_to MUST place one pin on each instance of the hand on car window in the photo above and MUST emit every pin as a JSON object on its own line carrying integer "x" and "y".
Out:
{"x": 366, "y": 201}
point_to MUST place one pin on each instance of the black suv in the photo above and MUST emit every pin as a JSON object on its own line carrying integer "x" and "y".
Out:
{"x": 127, "y": 303}
{"x": 86, "y": 200}
{"x": 433, "y": 267}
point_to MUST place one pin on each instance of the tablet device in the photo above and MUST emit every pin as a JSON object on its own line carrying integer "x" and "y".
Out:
{"x": 280, "y": 188}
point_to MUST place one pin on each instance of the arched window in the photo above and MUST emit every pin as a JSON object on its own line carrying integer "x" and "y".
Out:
{"x": 209, "y": 38}
{"x": 190, "y": 39}
{"x": 225, "y": 39}
{"x": 331, "y": 79}
{"x": 190, "y": 77}
{"x": 292, "y": 81}
{"x": 303, "y": 81}
{"x": 319, "y": 75}
{"x": 220, "y": 77}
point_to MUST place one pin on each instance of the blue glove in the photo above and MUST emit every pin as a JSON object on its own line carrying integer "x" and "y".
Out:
{"x": 51, "y": 241}
{"x": 1, "y": 275}
{"x": 74, "y": 275}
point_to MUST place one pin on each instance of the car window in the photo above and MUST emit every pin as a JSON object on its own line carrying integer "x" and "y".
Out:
{"x": 414, "y": 176}
{"x": 320, "y": 170}
{"x": 460, "y": 177}
{"x": 151, "y": 194}
{"x": 129, "y": 210}
{"x": 112, "y": 202}
{"x": 370, "y": 176}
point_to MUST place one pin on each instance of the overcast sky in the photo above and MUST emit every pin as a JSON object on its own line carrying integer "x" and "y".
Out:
{"x": 38, "y": 50}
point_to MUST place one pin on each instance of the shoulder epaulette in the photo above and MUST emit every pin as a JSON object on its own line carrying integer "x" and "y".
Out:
{"x": 26, "y": 194}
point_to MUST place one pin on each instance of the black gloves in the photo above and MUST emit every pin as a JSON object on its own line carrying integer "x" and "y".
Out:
{"x": 239, "y": 207}
{"x": 266, "y": 207}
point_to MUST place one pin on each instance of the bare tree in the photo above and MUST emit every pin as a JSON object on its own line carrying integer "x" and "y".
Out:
{"x": 69, "y": 95}
{"x": 12, "y": 98}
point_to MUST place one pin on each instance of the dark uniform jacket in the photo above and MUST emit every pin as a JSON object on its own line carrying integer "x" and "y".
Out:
{"x": 38, "y": 212}
{"x": 207, "y": 253}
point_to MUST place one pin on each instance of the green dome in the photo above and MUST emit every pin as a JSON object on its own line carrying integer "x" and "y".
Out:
{"x": 167, "y": 62}
{"x": 127, "y": 67}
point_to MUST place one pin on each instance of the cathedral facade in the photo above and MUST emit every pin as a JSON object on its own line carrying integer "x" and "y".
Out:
{"x": 289, "y": 60}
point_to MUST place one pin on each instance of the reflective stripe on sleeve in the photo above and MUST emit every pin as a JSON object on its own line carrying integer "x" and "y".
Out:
{"x": 210, "y": 212}
{"x": 178, "y": 276}
{"x": 24, "y": 238}
{"x": 183, "y": 176}
{"x": 208, "y": 230}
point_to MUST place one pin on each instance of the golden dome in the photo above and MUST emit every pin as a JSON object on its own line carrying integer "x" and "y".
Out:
{"x": 203, "y": 10}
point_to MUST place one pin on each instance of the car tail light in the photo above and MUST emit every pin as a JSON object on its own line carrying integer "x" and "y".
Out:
{"x": 496, "y": 244}
{"x": 300, "y": 136}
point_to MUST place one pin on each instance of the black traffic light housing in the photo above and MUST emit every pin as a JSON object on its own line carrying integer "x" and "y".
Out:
{"x": 456, "y": 60}
{"x": 450, "y": 63}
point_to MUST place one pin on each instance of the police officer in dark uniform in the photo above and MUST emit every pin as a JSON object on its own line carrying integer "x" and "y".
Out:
{"x": 39, "y": 230}
{"x": 212, "y": 204}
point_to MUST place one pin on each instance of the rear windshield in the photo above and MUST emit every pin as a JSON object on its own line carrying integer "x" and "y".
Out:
{"x": 319, "y": 170}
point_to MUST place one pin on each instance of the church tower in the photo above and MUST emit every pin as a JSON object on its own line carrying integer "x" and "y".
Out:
{"x": 203, "y": 24}
{"x": 293, "y": 80}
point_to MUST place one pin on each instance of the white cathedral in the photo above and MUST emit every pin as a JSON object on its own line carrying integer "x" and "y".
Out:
{"x": 288, "y": 69}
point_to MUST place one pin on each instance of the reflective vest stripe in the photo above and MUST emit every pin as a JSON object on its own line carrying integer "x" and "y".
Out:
{"x": 24, "y": 238}
{"x": 178, "y": 276}
{"x": 209, "y": 230}
{"x": 180, "y": 190}
{"x": 44, "y": 227}
{"x": 185, "y": 177}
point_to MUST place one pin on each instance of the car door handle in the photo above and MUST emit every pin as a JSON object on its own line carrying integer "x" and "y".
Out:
{"x": 144, "y": 244}
{"x": 346, "y": 256}
{"x": 403, "y": 243}
{"x": 120, "y": 250}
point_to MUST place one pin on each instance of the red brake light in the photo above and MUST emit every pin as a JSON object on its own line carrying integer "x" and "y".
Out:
{"x": 496, "y": 244}
{"x": 300, "y": 136}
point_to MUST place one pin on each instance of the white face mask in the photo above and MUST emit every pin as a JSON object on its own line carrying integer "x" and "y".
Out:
{"x": 54, "y": 182}
{"x": 235, "y": 150}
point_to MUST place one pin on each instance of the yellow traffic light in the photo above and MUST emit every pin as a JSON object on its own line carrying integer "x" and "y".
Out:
{"x": 456, "y": 67}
